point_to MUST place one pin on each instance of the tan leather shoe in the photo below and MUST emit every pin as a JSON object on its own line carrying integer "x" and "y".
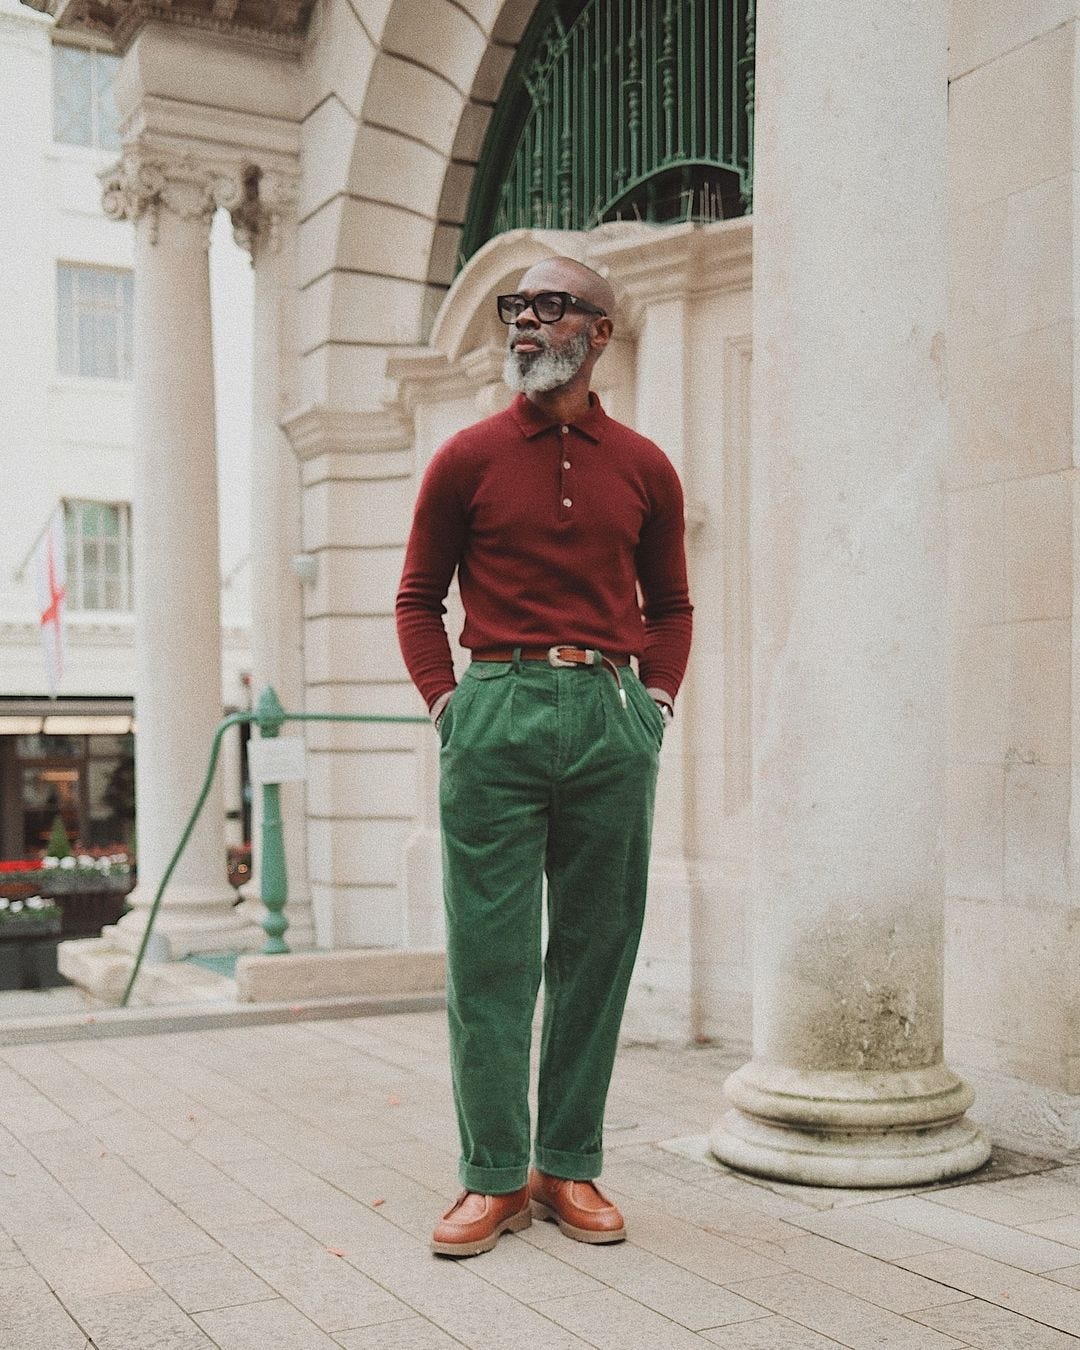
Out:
{"x": 474, "y": 1223}
{"x": 580, "y": 1209}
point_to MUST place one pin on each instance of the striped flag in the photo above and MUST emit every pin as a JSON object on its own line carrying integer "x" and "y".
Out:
{"x": 51, "y": 572}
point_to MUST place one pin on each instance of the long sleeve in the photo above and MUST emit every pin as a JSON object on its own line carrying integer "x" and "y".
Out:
{"x": 431, "y": 558}
{"x": 661, "y": 569}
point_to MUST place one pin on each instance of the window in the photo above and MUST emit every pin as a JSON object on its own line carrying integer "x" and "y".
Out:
{"x": 98, "y": 555}
{"x": 94, "y": 320}
{"x": 88, "y": 781}
{"x": 84, "y": 111}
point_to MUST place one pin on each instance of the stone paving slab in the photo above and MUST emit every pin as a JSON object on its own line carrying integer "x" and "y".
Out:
{"x": 273, "y": 1186}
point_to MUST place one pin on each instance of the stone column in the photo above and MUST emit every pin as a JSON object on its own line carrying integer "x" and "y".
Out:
{"x": 847, "y": 1086}
{"x": 265, "y": 224}
{"x": 171, "y": 197}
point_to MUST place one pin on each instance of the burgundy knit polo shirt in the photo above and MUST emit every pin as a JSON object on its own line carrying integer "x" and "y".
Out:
{"x": 552, "y": 529}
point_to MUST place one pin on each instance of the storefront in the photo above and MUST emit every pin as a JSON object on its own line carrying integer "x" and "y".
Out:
{"x": 73, "y": 758}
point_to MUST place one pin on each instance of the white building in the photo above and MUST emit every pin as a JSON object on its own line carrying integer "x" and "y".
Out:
{"x": 870, "y": 782}
{"x": 66, "y": 351}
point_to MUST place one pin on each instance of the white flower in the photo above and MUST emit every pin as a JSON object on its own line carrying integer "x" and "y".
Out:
{"x": 4, "y": 902}
{"x": 67, "y": 863}
{"x": 50, "y": 862}
{"x": 85, "y": 860}
{"x": 103, "y": 864}
{"x": 16, "y": 905}
{"x": 35, "y": 902}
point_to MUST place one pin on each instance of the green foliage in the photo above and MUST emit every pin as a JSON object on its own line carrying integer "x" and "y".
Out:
{"x": 35, "y": 915}
{"x": 59, "y": 845}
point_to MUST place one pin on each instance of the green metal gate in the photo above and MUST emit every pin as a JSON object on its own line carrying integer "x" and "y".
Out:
{"x": 620, "y": 109}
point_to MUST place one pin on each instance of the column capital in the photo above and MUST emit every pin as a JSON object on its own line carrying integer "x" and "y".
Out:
{"x": 267, "y": 209}
{"x": 150, "y": 178}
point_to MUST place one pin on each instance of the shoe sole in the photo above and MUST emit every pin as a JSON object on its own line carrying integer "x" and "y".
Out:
{"x": 514, "y": 1224}
{"x": 595, "y": 1235}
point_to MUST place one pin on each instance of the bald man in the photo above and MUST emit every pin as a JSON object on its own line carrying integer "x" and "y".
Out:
{"x": 565, "y": 529}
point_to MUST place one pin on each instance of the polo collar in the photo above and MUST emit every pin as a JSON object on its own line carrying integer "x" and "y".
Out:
{"x": 532, "y": 421}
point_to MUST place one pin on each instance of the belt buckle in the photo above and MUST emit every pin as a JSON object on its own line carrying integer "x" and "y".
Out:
{"x": 554, "y": 659}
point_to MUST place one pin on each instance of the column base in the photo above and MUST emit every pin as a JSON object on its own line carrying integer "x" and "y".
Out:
{"x": 857, "y": 1129}
{"x": 191, "y": 919}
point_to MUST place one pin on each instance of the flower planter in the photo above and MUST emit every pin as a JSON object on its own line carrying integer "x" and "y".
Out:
{"x": 86, "y": 913}
{"x": 89, "y": 894}
{"x": 39, "y": 968}
{"x": 27, "y": 926}
{"x": 88, "y": 900}
{"x": 28, "y": 961}
{"x": 11, "y": 965}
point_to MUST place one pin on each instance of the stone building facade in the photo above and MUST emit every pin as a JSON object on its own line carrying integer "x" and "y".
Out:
{"x": 865, "y": 848}
{"x": 66, "y": 292}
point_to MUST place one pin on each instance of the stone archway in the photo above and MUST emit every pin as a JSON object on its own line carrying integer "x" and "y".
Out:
{"x": 376, "y": 266}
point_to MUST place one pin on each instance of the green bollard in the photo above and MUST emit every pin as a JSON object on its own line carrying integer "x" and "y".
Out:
{"x": 270, "y": 716}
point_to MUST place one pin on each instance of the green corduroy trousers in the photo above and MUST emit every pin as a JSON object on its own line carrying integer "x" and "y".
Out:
{"x": 542, "y": 770}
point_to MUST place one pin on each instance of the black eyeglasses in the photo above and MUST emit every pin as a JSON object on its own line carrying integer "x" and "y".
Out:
{"x": 548, "y": 306}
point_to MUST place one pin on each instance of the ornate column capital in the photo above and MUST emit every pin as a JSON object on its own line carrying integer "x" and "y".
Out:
{"x": 268, "y": 205}
{"x": 153, "y": 178}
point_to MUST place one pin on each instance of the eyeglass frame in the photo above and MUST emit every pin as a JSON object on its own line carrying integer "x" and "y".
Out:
{"x": 568, "y": 301}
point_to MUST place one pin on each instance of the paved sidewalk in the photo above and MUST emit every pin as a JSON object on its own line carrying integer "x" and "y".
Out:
{"x": 274, "y": 1187}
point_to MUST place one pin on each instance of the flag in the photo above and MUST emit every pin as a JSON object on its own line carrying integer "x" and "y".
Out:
{"x": 51, "y": 572}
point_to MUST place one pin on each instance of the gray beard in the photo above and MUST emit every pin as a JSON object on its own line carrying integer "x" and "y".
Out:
{"x": 540, "y": 372}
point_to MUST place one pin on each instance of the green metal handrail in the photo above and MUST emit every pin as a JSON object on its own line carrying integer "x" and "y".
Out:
{"x": 269, "y": 716}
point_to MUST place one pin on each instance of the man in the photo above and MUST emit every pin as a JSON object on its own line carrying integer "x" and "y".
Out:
{"x": 553, "y": 515}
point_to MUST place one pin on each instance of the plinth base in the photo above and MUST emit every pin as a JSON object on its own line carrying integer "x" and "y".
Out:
{"x": 103, "y": 971}
{"x": 857, "y": 1129}
{"x": 192, "y": 920}
{"x": 848, "y": 1159}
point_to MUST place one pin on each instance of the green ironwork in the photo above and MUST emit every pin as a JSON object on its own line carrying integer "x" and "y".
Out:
{"x": 275, "y": 883}
{"x": 275, "y": 717}
{"x": 620, "y": 109}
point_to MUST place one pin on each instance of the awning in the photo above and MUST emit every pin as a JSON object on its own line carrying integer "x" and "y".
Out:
{"x": 66, "y": 716}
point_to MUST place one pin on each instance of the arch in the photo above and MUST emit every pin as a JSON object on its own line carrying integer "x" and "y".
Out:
{"x": 499, "y": 264}
{"x": 392, "y": 169}
{"x": 427, "y": 102}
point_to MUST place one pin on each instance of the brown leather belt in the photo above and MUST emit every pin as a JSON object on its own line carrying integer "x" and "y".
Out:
{"x": 554, "y": 656}
{"x": 560, "y": 656}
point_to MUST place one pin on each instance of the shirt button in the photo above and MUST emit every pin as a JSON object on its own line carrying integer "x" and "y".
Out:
{"x": 564, "y": 430}
{"x": 566, "y": 463}
{"x": 567, "y": 502}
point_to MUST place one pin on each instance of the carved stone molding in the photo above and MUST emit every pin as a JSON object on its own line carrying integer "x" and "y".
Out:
{"x": 78, "y": 630}
{"x": 651, "y": 264}
{"x": 269, "y": 203}
{"x": 320, "y": 430}
{"x": 426, "y": 376}
{"x": 271, "y": 25}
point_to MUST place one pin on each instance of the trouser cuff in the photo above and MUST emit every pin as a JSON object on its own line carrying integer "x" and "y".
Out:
{"x": 492, "y": 1180}
{"x": 568, "y": 1166}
